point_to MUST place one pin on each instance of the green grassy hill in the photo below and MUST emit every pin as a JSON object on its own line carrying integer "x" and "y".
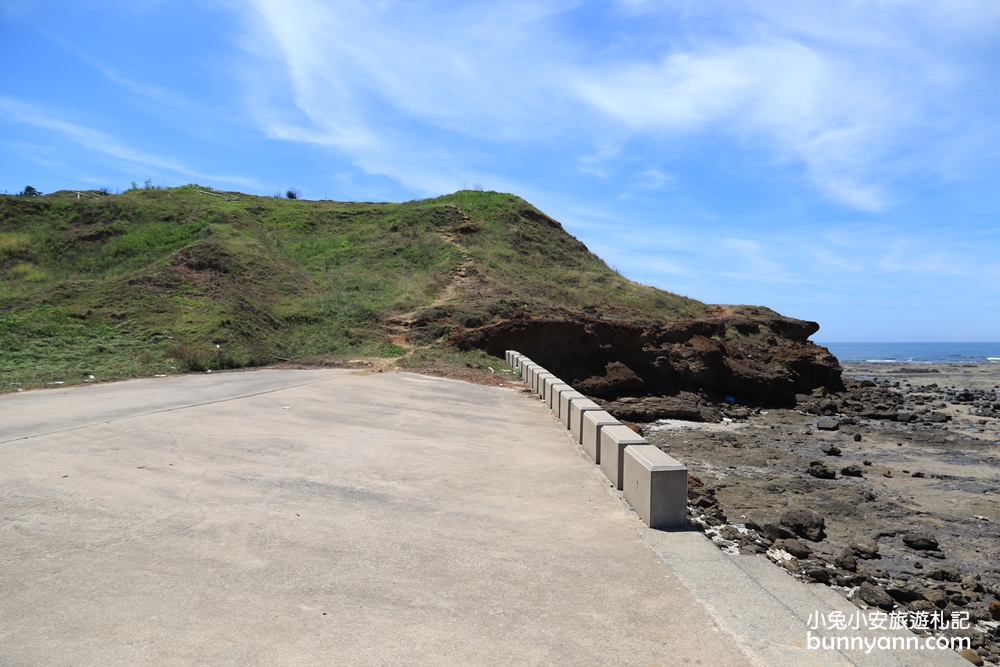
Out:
{"x": 156, "y": 281}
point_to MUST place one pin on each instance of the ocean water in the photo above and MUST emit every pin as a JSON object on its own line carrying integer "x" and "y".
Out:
{"x": 916, "y": 353}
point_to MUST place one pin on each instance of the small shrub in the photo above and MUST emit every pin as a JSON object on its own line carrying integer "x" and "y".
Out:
{"x": 27, "y": 272}
{"x": 28, "y": 191}
{"x": 13, "y": 243}
{"x": 391, "y": 350}
{"x": 292, "y": 193}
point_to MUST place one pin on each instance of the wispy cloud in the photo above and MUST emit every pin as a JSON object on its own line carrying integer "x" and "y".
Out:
{"x": 405, "y": 89}
{"x": 104, "y": 144}
{"x": 782, "y": 92}
{"x": 838, "y": 91}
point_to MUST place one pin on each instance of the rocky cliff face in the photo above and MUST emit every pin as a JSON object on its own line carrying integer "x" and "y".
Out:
{"x": 766, "y": 359}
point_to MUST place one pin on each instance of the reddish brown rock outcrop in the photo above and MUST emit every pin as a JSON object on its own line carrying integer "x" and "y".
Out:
{"x": 767, "y": 359}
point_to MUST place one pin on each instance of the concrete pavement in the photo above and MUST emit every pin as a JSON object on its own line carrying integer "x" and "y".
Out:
{"x": 378, "y": 520}
{"x": 325, "y": 518}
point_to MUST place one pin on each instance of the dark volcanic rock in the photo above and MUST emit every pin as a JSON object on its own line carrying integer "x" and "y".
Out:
{"x": 647, "y": 409}
{"x": 828, "y": 424}
{"x": 905, "y": 595}
{"x": 920, "y": 541}
{"x": 804, "y": 523}
{"x": 795, "y": 547}
{"x": 845, "y": 560}
{"x": 945, "y": 573}
{"x": 937, "y": 597}
{"x": 832, "y": 450}
{"x": 823, "y": 575}
{"x": 777, "y": 532}
{"x": 615, "y": 380}
{"x": 865, "y": 547}
{"x": 852, "y": 471}
{"x": 875, "y": 596}
{"x": 818, "y": 470}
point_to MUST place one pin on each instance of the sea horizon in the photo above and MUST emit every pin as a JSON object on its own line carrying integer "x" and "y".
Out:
{"x": 915, "y": 353}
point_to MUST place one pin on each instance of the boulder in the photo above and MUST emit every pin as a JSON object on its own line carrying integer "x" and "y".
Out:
{"x": 852, "y": 471}
{"x": 828, "y": 425}
{"x": 731, "y": 533}
{"x": 945, "y": 573}
{"x": 875, "y": 596}
{"x": 921, "y": 605}
{"x": 845, "y": 560}
{"x": 777, "y": 532}
{"x": 804, "y": 523}
{"x": 905, "y": 594}
{"x": 973, "y": 583}
{"x": 819, "y": 470}
{"x": 865, "y": 547}
{"x": 823, "y": 575}
{"x": 972, "y": 657}
{"x": 937, "y": 597}
{"x": 795, "y": 547}
{"x": 920, "y": 541}
{"x": 832, "y": 450}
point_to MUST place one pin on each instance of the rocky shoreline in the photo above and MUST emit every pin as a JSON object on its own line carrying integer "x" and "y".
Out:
{"x": 888, "y": 490}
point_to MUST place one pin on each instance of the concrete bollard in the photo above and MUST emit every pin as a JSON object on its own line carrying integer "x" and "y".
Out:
{"x": 529, "y": 372}
{"x": 537, "y": 376}
{"x": 594, "y": 421}
{"x": 564, "y": 399}
{"x": 546, "y": 386}
{"x": 555, "y": 391}
{"x": 655, "y": 485}
{"x": 512, "y": 358}
{"x": 614, "y": 440}
{"x": 522, "y": 366}
{"x": 577, "y": 407}
{"x": 552, "y": 394}
{"x": 539, "y": 384}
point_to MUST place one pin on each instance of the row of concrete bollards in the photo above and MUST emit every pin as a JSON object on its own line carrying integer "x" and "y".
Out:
{"x": 651, "y": 481}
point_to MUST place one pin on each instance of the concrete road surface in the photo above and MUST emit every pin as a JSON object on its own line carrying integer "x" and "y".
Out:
{"x": 325, "y": 518}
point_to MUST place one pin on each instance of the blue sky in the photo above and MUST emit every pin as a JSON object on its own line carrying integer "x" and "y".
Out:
{"x": 838, "y": 162}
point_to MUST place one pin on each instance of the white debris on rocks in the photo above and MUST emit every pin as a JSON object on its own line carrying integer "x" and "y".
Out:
{"x": 684, "y": 425}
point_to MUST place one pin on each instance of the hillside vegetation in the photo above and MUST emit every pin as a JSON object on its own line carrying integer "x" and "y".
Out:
{"x": 165, "y": 280}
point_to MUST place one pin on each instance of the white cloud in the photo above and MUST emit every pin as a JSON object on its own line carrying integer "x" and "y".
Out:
{"x": 102, "y": 143}
{"x": 478, "y": 68}
{"x": 838, "y": 91}
{"x": 745, "y": 256}
{"x": 789, "y": 95}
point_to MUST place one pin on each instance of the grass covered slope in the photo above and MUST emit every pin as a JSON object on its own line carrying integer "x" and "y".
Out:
{"x": 156, "y": 280}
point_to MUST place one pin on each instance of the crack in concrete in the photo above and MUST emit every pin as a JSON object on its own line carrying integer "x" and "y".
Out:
{"x": 154, "y": 412}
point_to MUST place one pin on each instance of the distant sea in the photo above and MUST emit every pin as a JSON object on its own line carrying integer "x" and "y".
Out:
{"x": 916, "y": 353}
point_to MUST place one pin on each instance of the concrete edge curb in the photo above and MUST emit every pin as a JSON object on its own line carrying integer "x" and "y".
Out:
{"x": 763, "y": 609}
